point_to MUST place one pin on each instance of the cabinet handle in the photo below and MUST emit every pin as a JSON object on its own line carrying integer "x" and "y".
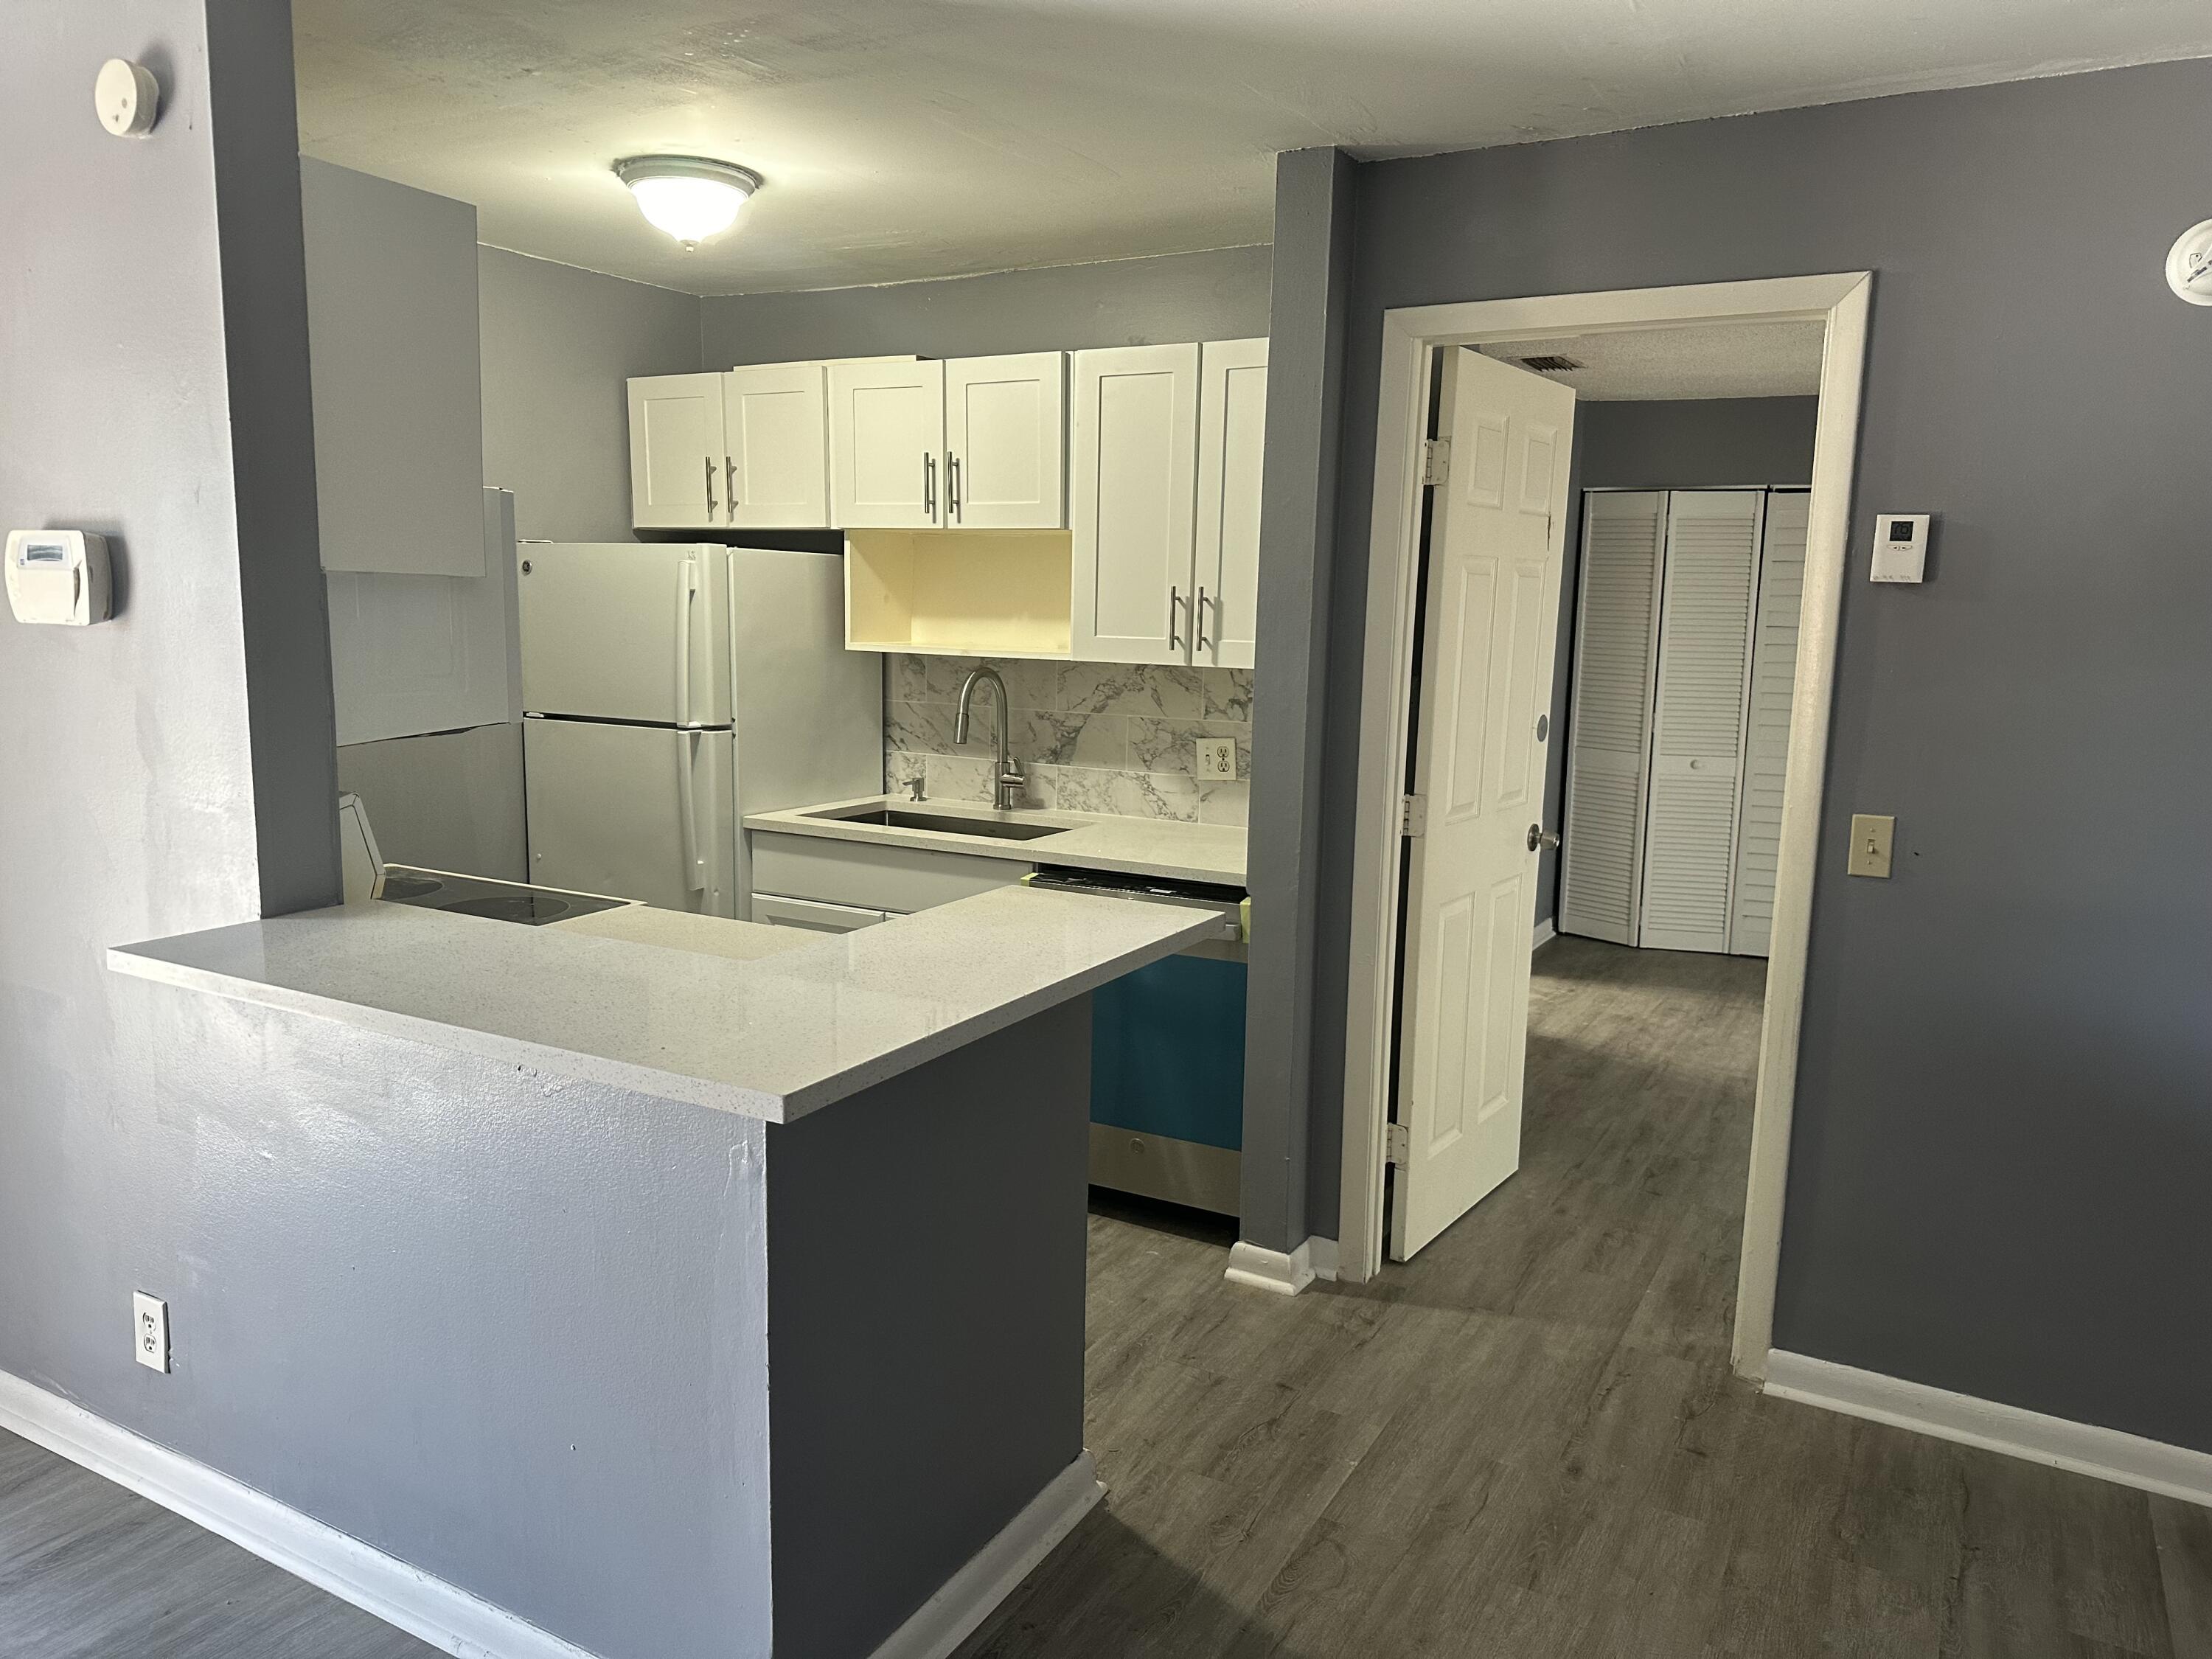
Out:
{"x": 1175, "y": 604}
{"x": 928, "y": 486}
{"x": 1200, "y": 642}
{"x": 729, "y": 486}
{"x": 952, "y": 486}
{"x": 709, "y": 460}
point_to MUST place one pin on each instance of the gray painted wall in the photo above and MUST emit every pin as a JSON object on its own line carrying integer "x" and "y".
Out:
{"x": 2003, "y": 1138}
{"x": 558, "y": 345}
{"x": 1659, "y": 444}
{"x": 1219, "y": 295}
{"x": 371, "y": 1252}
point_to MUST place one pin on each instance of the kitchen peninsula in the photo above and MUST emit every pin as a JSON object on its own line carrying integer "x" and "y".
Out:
{"x": 898, "y": 1332}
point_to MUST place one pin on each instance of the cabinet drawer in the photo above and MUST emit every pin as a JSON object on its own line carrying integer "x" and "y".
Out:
{"x": 871, "y": 877}
{"x": 812, "y": 916}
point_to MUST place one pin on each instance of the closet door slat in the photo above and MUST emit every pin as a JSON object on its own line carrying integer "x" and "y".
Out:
{"x": 1697, "y": 724}
{"x": 1609, "y": 725}
{"x": 1766, "y": 729}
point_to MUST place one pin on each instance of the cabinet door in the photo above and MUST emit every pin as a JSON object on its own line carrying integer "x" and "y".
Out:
{"x": 1232, "y": 436}
{"x": 1005, "y": 440}
{"x": 775, "y": 420}
{"x": 1132, "y": 502}
{"x": 676, "y": 452}
{"x": 887, "y": 446}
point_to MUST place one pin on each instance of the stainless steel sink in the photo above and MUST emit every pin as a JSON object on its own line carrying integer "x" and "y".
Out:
{"x": 895, "y": 818}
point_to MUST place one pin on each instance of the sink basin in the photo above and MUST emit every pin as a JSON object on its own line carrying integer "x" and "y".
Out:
{"x": 943, "y": 823}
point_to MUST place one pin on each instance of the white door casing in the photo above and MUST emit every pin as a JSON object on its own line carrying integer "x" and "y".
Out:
{"x": 635, "y": 811}
{"x": 887, "y": 445}
{"x": 1005, "y": 442}
{"x": 1132, "y": 502}
{"x": 775, "y": 422}
{"x": 1232, "y": 429}
{"x": 1485, "y": 676}
{"x": 1698, "y": 717}
{"x": 1609, "y": 722}
{"x": 676, "y": 452}
{"x": 1767, "y": 721}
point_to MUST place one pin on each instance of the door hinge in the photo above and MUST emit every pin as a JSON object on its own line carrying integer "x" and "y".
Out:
{"x": 1397, "y": 1144}
{"x": 1436, "y": 460}
{"x": 1412, "y": 815}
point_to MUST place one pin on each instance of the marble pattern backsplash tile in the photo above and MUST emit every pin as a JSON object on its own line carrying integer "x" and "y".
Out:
{"x": 1092, "y": 737}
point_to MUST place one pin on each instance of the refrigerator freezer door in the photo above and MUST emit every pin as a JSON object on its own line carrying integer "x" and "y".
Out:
{"x": 618, "y": 631}
{"x": 638, "y": 811}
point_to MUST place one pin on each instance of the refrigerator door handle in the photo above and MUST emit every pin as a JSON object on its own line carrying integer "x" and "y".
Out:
{"x": 687, "y": 809}
{"x": 687, "y": 590}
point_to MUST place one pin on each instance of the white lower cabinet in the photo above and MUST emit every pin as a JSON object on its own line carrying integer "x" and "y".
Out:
{"x": 812, "y": 915}
{"x": 861, "y": 876}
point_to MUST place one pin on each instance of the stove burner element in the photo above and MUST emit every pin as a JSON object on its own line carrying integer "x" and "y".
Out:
{"x": 531, "y": 908}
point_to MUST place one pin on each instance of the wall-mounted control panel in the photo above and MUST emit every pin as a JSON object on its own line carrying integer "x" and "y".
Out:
{"x": 58, "y": 576}
{"x": 1900, "y": 548}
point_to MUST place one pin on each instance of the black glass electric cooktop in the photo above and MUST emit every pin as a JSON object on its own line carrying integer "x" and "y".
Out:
{"x": 476, "y": 895}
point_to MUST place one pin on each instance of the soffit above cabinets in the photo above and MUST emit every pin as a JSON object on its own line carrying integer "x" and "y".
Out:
{"x": 901, "y": 140}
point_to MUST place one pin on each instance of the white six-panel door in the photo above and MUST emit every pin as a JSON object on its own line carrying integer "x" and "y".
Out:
{"x": 1766, "y": 722}
{"x": 1005, "y": 441}
{"x": 887, "y": 445}
{"x": 677, "y": 451}
{"x": 1232, "y": 431}
{"x": 1490, "y": 620}
{"x": 1609, "y": 718}
{"x": 1697, "y": 724}
{"x": 1132, "y": 502}
{"x": 776, "y": 467}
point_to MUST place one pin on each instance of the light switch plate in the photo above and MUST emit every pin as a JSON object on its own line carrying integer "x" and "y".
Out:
{"x": 1871, "y": 838}
{"x": 1216, "y": 758}
{"x": 149, "y": 1330}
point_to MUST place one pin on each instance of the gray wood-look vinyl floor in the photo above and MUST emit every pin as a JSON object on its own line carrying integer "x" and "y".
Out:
{"x": 1524, "y": 1444}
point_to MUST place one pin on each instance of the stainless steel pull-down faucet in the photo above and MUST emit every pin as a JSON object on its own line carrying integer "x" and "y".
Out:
{"x": 1006, "y": 778}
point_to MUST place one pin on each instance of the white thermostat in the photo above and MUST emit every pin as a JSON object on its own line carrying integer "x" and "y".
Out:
{"x": 1900, "y": 548}
{"x": 58, "y": 576}
{"x": 2189, "y": 264}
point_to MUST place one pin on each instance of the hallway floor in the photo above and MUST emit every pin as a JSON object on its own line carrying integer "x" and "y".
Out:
{"x": 1524, "y": 1444}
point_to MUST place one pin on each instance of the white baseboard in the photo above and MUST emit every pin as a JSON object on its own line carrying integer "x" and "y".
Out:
{"x": 1547, "y": 931}
{"x": 2108, "y": 1453}
{"x": 950, "y": 1617}
{"x": 1285, "y": 1273}
{"x": 445, "y": 1616}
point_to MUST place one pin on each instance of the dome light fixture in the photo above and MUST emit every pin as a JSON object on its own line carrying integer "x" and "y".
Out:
{"x": 690, "y": 196}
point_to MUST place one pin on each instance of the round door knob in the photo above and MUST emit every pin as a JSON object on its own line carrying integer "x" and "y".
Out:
{"x": 1539, "y": 836}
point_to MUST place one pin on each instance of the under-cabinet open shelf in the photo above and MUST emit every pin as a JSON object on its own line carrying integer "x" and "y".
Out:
{"x": 959, "y": 593}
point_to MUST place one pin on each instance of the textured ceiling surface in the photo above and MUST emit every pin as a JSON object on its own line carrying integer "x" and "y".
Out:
{"x": 1721, "y": 360}
{"x": 908, "y": 138}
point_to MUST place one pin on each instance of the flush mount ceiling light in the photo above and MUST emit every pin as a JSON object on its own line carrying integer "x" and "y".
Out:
{"x": 689, "y": 196}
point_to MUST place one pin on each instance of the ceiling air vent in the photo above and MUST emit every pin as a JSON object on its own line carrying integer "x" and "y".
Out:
{"x": 1551, "y": 365}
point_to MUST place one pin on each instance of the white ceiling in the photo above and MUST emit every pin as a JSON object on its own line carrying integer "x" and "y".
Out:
{"x": 1719, "y": 360}
{"x": 907, "y": 139}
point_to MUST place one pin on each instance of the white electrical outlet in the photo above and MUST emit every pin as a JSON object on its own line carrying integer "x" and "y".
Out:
{"x": 149, "y": 1333}
{"x": 1217, "y": 757}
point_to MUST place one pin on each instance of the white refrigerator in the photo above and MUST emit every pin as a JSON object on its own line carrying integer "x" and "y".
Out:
{"x": 670, "y": 690}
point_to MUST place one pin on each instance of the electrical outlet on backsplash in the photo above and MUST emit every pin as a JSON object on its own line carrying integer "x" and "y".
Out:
{"x": 1092, "y": 737}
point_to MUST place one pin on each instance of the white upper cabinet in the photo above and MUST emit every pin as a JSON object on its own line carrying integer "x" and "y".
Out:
{"x": 1232, "y": 440}
{"x": 775, "y": 422}
{"x": 1133, "y": 503}
{"x": 677, "y": 456}
{"x": 396, "y": 373}
{"x": 887, "y": 445}
{"x": 1005, "y": 441}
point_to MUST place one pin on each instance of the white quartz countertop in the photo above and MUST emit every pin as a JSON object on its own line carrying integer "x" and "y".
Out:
{"x": 1137, "y": 847}
{"x": 775, "y": 1036}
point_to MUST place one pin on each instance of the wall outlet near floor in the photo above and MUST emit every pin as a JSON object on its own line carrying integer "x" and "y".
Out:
{"x": 149, "y": 1330}
{"x": 1217, "y": 757}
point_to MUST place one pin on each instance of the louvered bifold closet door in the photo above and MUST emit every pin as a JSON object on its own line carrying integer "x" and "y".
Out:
{"x": 1766, "y": 727}
{"x": 1696, "y": 724}
{"x": 1609, "y": 724}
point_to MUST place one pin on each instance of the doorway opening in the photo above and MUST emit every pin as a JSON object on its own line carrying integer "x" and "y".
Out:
{"x": 1679, "y": 835}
